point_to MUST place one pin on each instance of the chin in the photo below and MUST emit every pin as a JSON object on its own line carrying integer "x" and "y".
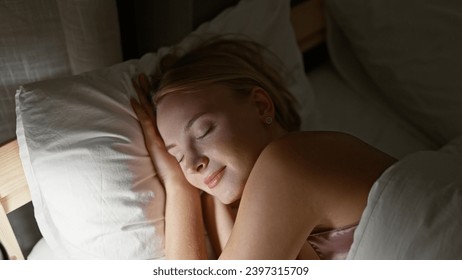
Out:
{"x": 230, "y": 197}
{"x": 227, "y": 201}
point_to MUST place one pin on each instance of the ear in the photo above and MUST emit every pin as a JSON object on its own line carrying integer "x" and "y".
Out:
{"x": 263, "y": 103}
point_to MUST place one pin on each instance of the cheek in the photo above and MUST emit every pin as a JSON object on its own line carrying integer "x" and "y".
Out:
{"x": 238, "y": 152}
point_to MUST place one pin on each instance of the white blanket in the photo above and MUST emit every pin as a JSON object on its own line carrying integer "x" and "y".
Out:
{"x": 414, "y": 210}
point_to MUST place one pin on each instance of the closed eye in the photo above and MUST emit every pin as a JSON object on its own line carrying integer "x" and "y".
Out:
{"x": 210, "y": 129}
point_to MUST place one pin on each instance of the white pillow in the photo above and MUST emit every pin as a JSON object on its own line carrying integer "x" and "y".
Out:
{"x": 411, "y": 51}
{"x": 83, "y": 153}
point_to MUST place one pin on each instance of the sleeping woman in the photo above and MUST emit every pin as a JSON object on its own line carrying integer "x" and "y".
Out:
{"x": 223, "y": 137}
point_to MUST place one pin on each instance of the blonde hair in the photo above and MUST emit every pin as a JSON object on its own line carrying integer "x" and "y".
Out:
{"x": 236, "y": 63}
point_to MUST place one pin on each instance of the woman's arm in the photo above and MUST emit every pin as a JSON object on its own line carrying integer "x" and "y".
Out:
{"x": 219, "y": 221}
{"x": 184, "y": 227}
{"x": 276, "y": 212}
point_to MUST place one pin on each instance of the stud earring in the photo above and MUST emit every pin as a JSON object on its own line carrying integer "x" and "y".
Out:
{"x": 268, "y": 120}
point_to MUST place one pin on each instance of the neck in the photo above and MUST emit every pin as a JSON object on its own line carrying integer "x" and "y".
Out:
{"x": 277, "y": 131}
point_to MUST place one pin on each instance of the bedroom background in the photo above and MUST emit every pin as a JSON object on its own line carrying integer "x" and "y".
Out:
{"x": 384, "y": 71}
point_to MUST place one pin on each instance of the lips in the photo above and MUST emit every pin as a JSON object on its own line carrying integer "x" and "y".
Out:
{"x": 213, "y": 179}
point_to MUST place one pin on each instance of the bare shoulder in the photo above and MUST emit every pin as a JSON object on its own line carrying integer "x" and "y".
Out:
{"x": 316, "y": 141}
{"x": 321, "y": 150}
{"x": 332, "y": 171}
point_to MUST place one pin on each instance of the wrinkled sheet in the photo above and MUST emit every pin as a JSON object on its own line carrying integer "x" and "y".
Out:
{"x": 414, "y": 209}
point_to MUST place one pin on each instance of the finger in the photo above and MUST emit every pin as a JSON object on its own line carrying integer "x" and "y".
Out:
{"x": 143, "y": 97}
{"x": 151, "y": 134}
{"x": 164, "y": 163}
{"x": 137, "y": 89}
{"x": 144, "y": 83}
{"x": 143, "y": 88}
{"x": 143, "y": 116}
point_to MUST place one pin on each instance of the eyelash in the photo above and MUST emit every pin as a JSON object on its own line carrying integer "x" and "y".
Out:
{"x": 200, "y": 137}
{"x": 206, "y": 133}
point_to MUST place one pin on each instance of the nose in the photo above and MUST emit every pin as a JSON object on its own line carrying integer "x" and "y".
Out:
{"x": 196, "y": 163}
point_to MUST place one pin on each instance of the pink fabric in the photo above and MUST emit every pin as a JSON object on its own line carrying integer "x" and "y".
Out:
{"x": 333, "y": 244}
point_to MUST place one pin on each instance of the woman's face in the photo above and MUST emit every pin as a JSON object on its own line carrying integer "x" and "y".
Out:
{"x": 216, "y": 135}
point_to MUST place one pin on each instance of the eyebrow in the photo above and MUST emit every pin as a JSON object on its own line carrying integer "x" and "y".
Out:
{"x": 187, "y": 127}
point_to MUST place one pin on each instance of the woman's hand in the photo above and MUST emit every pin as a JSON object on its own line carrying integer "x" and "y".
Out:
{"x": 184, "y": 226}
{"x": 166, "y": 166}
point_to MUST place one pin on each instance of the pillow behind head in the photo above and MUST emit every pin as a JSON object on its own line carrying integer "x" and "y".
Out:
{"x": 411, "y": 51}
{"x": 91, "y": 178}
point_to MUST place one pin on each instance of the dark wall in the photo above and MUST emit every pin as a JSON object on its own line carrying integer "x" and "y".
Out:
{"x": 147, "y": 25}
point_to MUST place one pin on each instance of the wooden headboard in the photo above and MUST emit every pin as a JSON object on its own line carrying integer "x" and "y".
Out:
{"x": 14, "y": 193}
{"x": 309, "y": 24}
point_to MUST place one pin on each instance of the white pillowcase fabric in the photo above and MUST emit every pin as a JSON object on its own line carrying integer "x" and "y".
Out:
{"x": 91, "y": 178}
{"x": 411, "y": 51}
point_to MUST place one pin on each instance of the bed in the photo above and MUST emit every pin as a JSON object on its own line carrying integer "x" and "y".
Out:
{"x": 380, "y": 79}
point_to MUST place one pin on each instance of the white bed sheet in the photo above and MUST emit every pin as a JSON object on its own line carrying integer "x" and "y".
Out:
{"x": 413, "y": 209}
{"x": 340, "y": 108}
